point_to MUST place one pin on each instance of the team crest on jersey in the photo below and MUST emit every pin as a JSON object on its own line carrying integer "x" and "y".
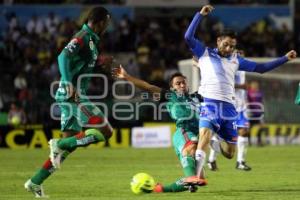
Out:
{"x": 72, "y": 45}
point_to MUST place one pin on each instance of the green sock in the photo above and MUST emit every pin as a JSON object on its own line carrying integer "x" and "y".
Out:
{"x": 47, "y": 169}
{"x": 175, "y": 187}
{"x": 189, "y": 165}
{"x": 41, "y": 175}
{"x": 90, "y": 136}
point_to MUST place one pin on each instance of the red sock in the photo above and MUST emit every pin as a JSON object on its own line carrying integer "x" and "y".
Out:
{"x": 47, "y": 165}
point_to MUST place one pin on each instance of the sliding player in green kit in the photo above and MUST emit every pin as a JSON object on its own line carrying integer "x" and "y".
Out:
{"x": 183, "y": 109}
{"x": 82, "y": 122}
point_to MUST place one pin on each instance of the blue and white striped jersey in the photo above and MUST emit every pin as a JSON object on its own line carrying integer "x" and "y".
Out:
{"x": 217, "y": 72}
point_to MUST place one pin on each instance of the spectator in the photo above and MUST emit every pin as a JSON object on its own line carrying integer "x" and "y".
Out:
{"x": 16, "y": 115}
{"x": 256, "y": 107}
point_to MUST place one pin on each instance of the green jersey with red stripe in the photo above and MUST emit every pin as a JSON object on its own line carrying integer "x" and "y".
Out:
{"x": 76, "y": 59}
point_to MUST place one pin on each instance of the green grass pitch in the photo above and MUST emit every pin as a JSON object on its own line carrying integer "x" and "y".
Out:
{"x": 95, "y": 174}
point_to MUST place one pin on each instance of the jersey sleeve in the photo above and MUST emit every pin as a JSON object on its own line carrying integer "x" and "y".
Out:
{"x": 250, "y": 66}
{"x": 65, "y": 57}
{"x": 195, "y": 45}
{"x": 74, "y": 46}
{"x": 246, "y": 65}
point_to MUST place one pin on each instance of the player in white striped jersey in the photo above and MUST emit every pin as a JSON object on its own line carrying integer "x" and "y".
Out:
{"x": 218, "y": 67}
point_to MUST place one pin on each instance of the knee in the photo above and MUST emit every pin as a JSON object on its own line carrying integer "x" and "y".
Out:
{"x": 189, "y": 150}
{"x": 243, "y": 132}
{"x": 205, "y": 135}
{"x": 230, "y": 153}
{"x": 107, "y": 131}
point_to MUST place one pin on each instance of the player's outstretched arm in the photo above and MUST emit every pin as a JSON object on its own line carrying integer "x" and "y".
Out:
{"x": 119, "y": 72}
{"x": 250, "y": 66}
{"x": 196, "y": 46}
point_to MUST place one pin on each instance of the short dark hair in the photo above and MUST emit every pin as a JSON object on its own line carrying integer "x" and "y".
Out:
{"x": 176, "y": 74}
{"x": 97, "y": 14}
{"x": 227, "y": 32}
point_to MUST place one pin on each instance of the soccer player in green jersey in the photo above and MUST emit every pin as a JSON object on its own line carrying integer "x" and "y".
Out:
{"x": 82, "y": 122}
{"x": 182, "y": 107}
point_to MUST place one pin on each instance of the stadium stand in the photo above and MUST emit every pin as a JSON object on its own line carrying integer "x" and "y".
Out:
{"x": 156, "y": 45}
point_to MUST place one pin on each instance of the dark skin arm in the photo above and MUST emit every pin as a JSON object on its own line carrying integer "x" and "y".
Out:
{"x": 119, "y": 72}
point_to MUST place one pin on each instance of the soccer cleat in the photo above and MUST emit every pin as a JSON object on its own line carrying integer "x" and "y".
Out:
{"x": 212, "y": 166}
{"x": 37, "y": 190}
{"x": 242, "y": 166}
{"x": 56, "y": 154}
{"x": 194, "y": 180}
{"x": 158, "y": 188}
{"x": 193, "y": 188}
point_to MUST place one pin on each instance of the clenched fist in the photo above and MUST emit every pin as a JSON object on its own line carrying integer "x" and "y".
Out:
{"x": 206, "y": 10}
{"x": 291, "y": 55}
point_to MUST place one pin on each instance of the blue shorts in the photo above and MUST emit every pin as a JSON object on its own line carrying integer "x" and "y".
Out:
{"x": 220, "y": 117}
{"x": 242, "y": 121}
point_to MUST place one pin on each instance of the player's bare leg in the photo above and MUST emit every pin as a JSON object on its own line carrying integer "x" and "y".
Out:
{"x": 228, "y": 149}
{"x": 200, "y": 156}
{"x": 205, "y": 135}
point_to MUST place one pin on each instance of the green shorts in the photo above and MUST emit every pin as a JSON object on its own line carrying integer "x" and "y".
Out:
{"x": 181, "y": 138}
{"x": 75, "y": 116}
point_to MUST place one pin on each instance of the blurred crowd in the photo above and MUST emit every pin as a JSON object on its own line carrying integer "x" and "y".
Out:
{"x": 124, "y": 1}
{"x": 9, "y": 2}
{"x": 28, "y": 52}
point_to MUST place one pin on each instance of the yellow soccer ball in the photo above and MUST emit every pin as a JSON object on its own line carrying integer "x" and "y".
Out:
{"x": 15, "y": 120}
{"x": 142, "y": 183}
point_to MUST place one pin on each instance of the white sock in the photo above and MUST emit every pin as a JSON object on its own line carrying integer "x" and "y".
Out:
{"x": 242, "y": 144}
{"x": 215, "y": 143}
{"x": 212, "y": 155}
{"x": 200, "y": 157}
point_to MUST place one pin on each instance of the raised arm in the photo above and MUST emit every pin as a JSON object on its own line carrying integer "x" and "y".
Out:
{"x": 196, "y": 46}
{"x": 250, "y": 66}
{"x": 119, "y": 72}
